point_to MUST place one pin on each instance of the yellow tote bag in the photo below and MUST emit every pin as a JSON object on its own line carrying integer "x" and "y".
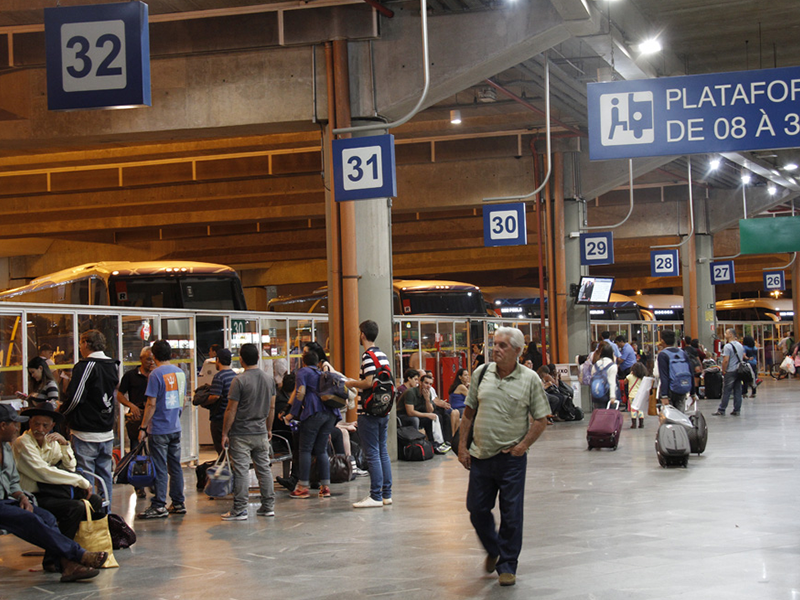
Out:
{"x": 94, "y": 536}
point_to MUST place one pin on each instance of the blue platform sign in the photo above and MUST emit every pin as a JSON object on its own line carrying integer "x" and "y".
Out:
{"x": 722, "y": 272}
{"x": 720, "y": 112}
{"x": 97, "y": 56}
{"x": 774, "y": 280}
{"x": 664, "y": 263}
{"x": 505, "y": 225}
{"x": 597, "y": 248}
{"x": 364, "y": 168}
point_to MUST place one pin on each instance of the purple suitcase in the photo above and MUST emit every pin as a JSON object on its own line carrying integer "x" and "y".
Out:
{"x": 605, "y": 426}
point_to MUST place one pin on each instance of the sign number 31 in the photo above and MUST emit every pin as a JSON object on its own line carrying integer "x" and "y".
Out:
{"x": 93, "y": 56}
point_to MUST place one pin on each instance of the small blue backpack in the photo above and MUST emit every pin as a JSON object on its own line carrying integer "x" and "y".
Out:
{"x": 680, "y": 374}
{"x": 599, "y": 384}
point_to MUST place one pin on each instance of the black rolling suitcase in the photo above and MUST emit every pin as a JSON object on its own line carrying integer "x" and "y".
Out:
{"x": 672, "y": 445}
{"x": 712, "y": 381}
{"x": 698, "y": 434}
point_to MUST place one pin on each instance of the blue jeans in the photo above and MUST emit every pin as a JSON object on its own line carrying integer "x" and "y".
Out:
{"x": 95, "y": 457}
{"x": 731, "y": 382}
{"x": 372, "y": 431}
{"x": 165, "y": 451}
{"x": 315, "y": 432}
{"x": 505, "y": 474}
{"x": 40, "y": 529}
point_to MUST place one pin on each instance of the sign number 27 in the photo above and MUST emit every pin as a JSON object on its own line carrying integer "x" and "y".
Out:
{"x": 722, "y": 272}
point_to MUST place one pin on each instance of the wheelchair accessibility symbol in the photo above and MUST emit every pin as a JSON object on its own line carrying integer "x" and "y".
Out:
{"x": 627, "y": 118}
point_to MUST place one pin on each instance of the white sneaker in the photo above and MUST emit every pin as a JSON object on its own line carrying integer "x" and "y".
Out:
{"x": 368, "y": 502}
{"x": 387, "y": 501}
{"x": 232, "y": 516}
{"x": 360, "y": 472}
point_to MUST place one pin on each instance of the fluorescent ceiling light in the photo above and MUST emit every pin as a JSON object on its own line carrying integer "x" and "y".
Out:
{"x": 455, "y": 117}
{"x": 790, "y": 166}
{"x": 650, "y": 46}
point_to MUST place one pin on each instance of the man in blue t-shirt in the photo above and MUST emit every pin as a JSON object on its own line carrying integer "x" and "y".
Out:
{"x": 166, "y": 389}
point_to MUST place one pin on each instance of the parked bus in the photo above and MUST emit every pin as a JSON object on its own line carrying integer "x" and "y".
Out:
{"x": 755, "y": 309}
{"x": 158, "y": 284}
{"x": 523, "y": 302}
{"x": 411, "y": 297}
{"x": 661, "y": 307}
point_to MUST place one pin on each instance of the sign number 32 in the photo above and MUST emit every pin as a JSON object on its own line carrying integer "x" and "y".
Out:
{"x": 93, "y": 56}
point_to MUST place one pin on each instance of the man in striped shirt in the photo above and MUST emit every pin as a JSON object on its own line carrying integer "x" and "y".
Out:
{"x": 373, "y": 430}
{"x": 509, "y": 407}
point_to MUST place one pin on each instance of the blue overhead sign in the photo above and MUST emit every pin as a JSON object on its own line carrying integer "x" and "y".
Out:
{"x": 364, "y": 168}
{"x": 597, "y": 248}
{"x": 722, "y": 272}
{"x": 97, "y": 56}
{"x": 695, "y": 114}
{"x": 664, "y": 263}
{"x": 505, "y": 225}
{"x": 774, "y": 280}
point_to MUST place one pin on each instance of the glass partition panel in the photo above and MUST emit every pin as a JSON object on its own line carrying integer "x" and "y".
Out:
{"x": 57, "y": 331}
{"x": 137, "y": 333}
{"x": 323, "y": 338}
{"x": 461, "y": 343}
{"x": 428, "y": 357}
{"x": 274, "y": 355}
{"x": 243, "y": 331}
{"x": 397, "y": 332}
{"x": 300, "y": 332}
{"x": 179, "y": 332}
{"x": 12, "y": 370}
{"x": 408, "y": 345}
{"x": 108, "y": 325}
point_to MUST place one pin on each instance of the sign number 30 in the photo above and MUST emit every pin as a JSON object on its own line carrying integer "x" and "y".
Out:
{"x": 93, "y": 56}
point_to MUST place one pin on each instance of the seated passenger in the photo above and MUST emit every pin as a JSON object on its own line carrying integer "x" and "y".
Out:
{"x": 458, "y": 390}
{"x": 46, "y": 464}
{"x": 32, "y": 523}
{"x": 41, "y": 383}
{"x": 410, "y": 380}
{"x": 416, "y": 409}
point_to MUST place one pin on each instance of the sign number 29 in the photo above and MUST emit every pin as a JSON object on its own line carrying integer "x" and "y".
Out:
{"x": 596, "y": 249}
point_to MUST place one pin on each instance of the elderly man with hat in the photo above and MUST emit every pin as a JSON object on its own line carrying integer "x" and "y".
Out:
{"x": 32, "y": 523}
{"x": 46, "y": 465}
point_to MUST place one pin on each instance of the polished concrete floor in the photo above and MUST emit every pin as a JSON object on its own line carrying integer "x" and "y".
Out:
{"x": 600, "y": 525}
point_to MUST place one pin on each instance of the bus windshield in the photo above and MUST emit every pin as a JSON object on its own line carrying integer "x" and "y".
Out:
{"x": 216, "y": 293}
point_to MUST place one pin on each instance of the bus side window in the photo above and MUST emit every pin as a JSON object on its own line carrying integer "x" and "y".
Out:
{"x": 79, "y": 294}
{"x": 99, "y": 292}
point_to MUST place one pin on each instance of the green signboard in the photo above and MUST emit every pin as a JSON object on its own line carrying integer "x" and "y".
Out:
{"x": 238, "y": 326}
{"x": 768, "y": 236}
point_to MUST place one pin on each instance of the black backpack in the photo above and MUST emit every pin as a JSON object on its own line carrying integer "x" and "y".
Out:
{"x": 379, "y": 402}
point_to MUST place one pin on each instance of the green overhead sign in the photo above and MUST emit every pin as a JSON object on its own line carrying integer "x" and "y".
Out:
{"x": 768, "y": 236}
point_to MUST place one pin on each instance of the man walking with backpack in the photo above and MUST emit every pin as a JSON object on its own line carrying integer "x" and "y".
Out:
{"x": 674, "y": 372}
{"x": 733, "y": 354}
{"x": 377, "y": 394}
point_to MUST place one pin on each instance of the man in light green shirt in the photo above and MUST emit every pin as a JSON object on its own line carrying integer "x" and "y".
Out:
{"x": 509, "y": 407}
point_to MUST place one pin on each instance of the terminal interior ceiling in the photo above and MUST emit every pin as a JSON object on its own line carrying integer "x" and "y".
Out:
{"x": 225, "y": 166}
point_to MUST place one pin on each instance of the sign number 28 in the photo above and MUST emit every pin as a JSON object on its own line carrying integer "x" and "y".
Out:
{"x": 664, "y": 263}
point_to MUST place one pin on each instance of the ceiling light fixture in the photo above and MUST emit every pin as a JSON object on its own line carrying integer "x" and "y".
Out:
{"x": 772, "y": 190}
{"x": 790, "y": 166}
{"x": 455, "y": 117}
{"x": 714, "y": 164}
{"x": 650, "y": 46}
{"x": 746, "y": 178}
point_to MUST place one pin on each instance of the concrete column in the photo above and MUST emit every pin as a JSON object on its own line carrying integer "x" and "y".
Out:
{"x": 706, "y": 317}
{"x": 579, "y": 331}
{"x": 689, "y": 276}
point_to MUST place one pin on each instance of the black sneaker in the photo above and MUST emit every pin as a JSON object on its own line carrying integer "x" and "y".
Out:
{"x": 719, "y": 413}
{"x": 735, "y": 413}
{"x": 177, "y": 508}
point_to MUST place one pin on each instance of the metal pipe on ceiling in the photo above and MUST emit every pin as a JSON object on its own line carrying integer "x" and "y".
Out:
{"x": 574, "y": 234}
{"x": 426, "y": 68}
{"x": 691, "y": 210}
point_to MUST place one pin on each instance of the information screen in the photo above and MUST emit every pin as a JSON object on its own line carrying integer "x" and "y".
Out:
{"x": 595, "y": 290}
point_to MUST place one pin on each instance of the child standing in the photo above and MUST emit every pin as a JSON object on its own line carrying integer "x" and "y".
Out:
{"x": 634, "y": 379}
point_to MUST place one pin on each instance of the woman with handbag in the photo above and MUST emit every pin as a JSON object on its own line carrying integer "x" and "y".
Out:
{"x": 46, "y": 465}
{"x": 316, "y": 424}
